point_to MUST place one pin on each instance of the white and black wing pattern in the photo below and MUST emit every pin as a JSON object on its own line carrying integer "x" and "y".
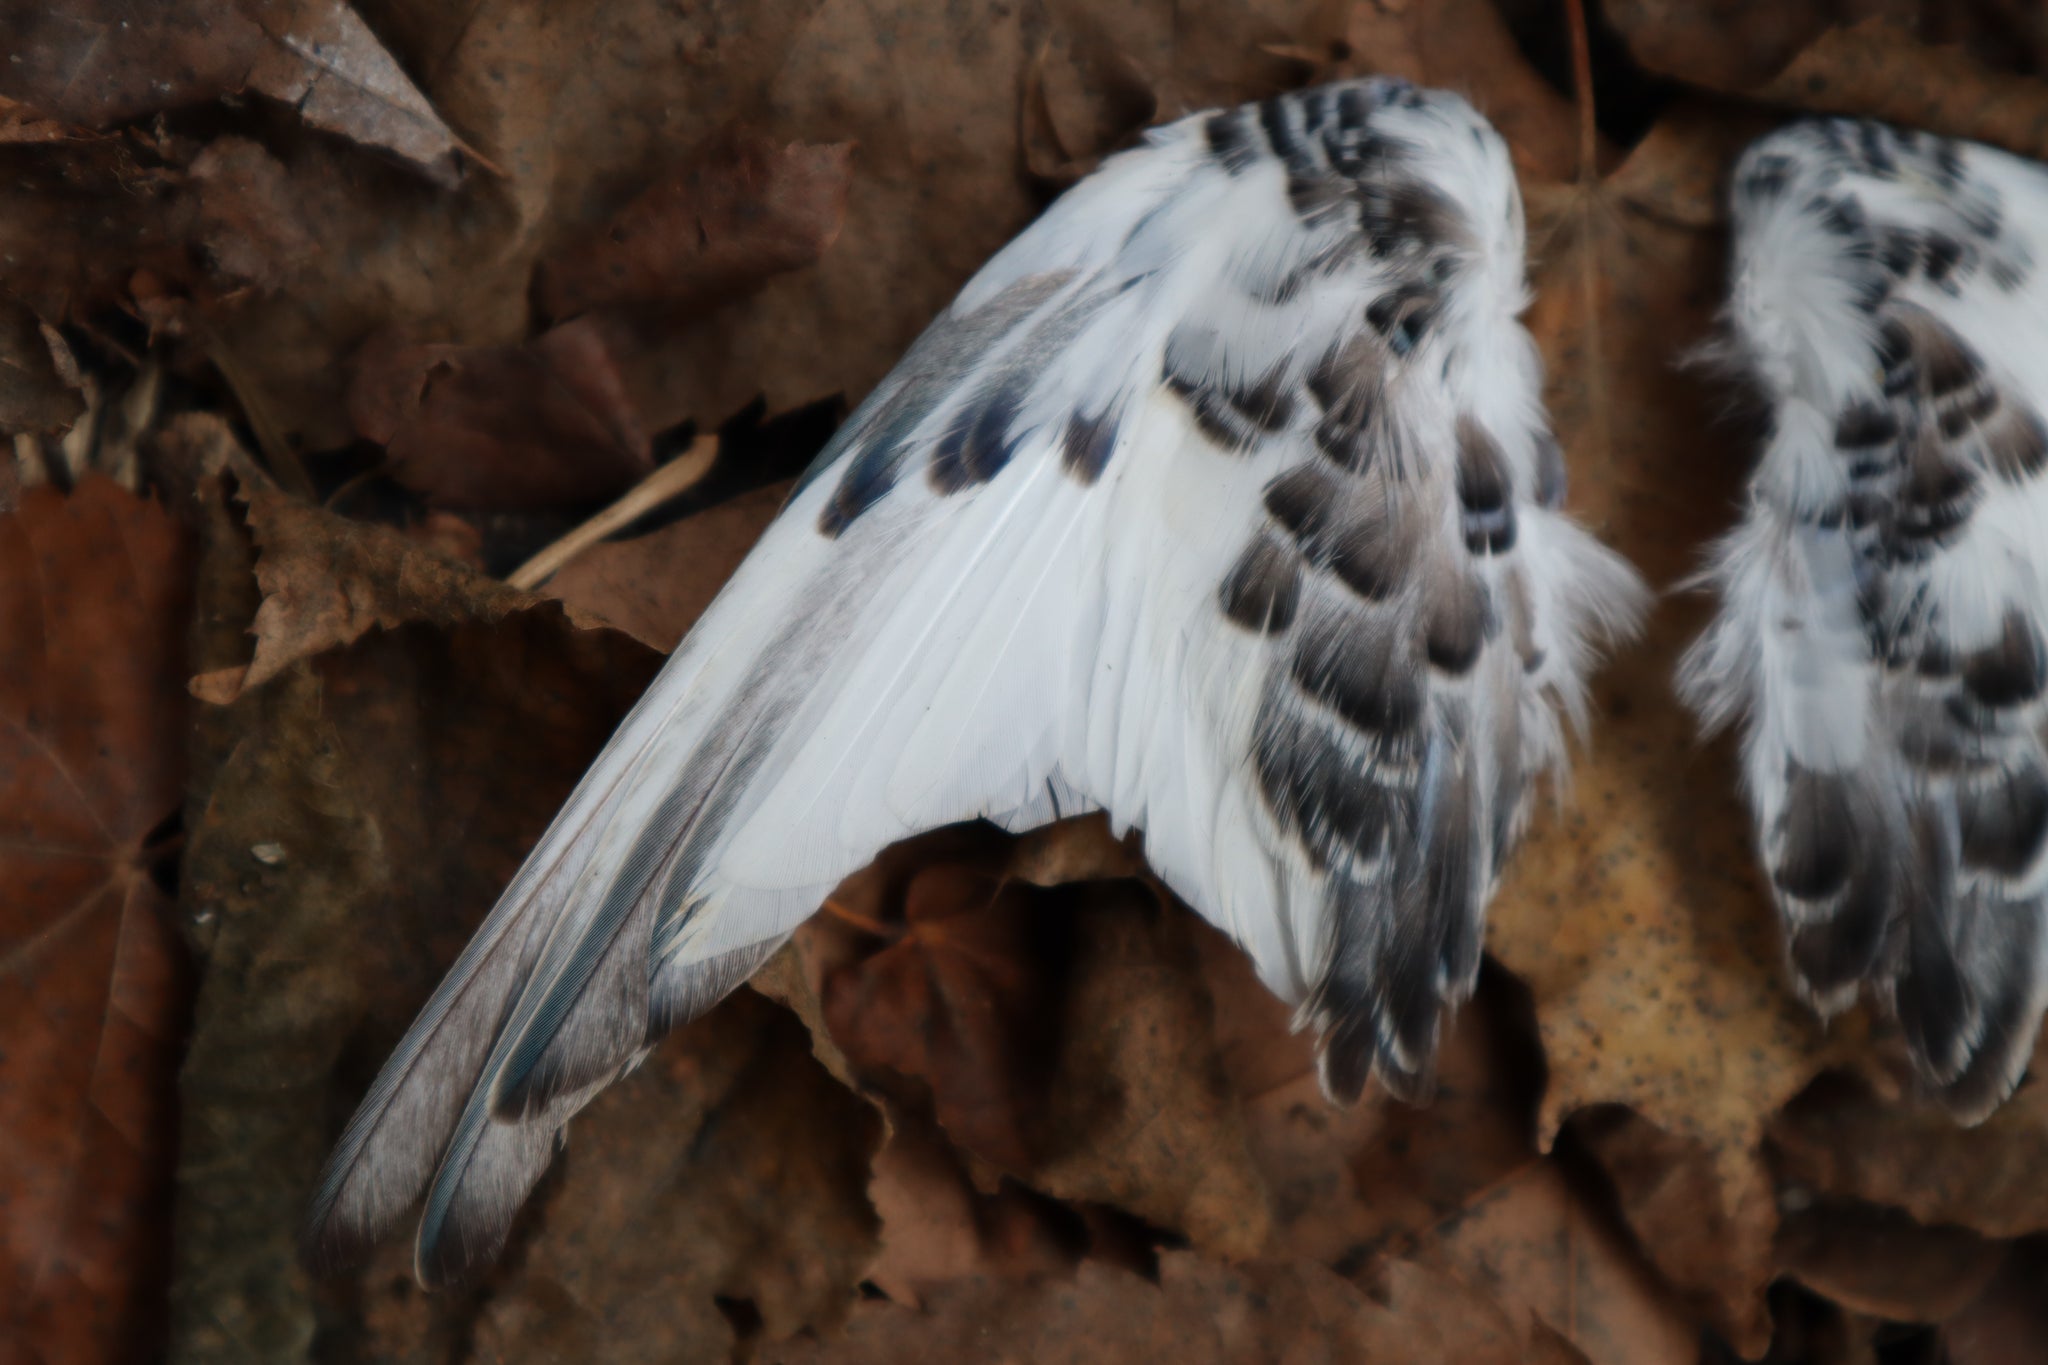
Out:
{"x": 1884, "y": 601}
{"x": 1221, "y": 499}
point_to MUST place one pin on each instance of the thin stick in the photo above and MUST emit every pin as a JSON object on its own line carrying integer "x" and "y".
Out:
{"x": 677, "y": 476}
{"x": 1589, "y": 209}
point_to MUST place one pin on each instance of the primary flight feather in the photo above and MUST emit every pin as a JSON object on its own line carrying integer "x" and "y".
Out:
{"x": 1884, "y": 600}
{"x": 1223, "y": 500}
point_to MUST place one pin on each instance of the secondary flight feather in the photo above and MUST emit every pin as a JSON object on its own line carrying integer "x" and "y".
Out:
{"x": 1884, "y": 601}
{"x": 1222, "y": 500}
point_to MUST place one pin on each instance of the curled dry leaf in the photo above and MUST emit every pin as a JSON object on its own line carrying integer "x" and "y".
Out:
{"x": 1880, "y": 1262}
{"x": 1868, "y": 58}
{"x": 107, "y": 62}
{"x": 93, "y": 592}
{"x": 1878, "y": 70}
{"x": 1840, "y": 1140}
{"x": 738, "y": 210}
{"x": 533, "y": 427}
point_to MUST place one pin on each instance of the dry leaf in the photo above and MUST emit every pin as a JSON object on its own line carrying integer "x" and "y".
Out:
{"x": 93, "y": 592}
{"x": 654, "y": 587}
{"x": 1840, "y": 1140}
{"x": 356, "y": 818}
{"x": 1670, "y": 1194}
{"x": 535, "y": 427}
{"x": 2008, "y": 1323}
{"x": 326, "y": 581}
{"x": 738, "y": 210}
{"x": 112, "y": 61}
{"x": 1878, "y": 70}
{"x": 1063, "y": 1037}
{"x": 1535, "y": 1245}
{"x": 1198, "y": 1313}
{"x": 730, "y": 1166}
{"x": 1880, "y": 1262}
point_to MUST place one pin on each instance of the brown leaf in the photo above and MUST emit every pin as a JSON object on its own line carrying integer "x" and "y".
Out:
{"x": 937, "y": 1226}
{"x": 350, "y": 824}
{"x": 965, "y": 999}
{"x": 654, "y": 587}
{"x": 327, "y": 581}
{"x": 1877, "y": 70}
{"x": 1841, "y": 1141}
{"x": 93, "y": 592}
{"x": 1729, "y": 44}
{"x": 1880, "y": 1262}
{"x": 1343, "y": 1182}
{"x": 1670, "y": 1193}
{"x": 1535, "y": 1245}
{"x": 112, "y": 61}
{"x": 508, "y": 428}
{"x": 1199, "y": 1313}
{"x": 736, "y": 211}
{"x": 2007, "y": 1324}
{"x": 1063, "y": 1035}
{"x": 78, "y": 218}
{"x": 753, "y": 1189}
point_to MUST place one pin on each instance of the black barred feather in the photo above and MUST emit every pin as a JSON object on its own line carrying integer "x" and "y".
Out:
{"x": 1884, "y": 603}
{"x": 1220, "y": 500}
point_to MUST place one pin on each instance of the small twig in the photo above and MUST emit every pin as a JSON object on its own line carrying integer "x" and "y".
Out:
{"x": 1588, "y": 206}
{"x": 677, "y": 476}
{"x": 858, "y": 920}
{"x": 1582, "y": 90}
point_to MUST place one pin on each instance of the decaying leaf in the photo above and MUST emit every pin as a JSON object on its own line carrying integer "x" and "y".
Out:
{"x": 1880, "y": 1262}
{"x": 1062, "y": 1036}
{"x": 654, "y": 587}
{"x": 93, "y": 591}
{"x": 730, "y": 1167}
{"x": 1841, "y": 1140}
{"x": 1199, "y": 1312}
{"x": 533, "y": 427}
{"x": 111, "y": 61}
{"x": 738, "y": 210}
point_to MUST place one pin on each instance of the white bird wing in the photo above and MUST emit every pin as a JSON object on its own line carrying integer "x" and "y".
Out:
{"x": 1222, "y": 500}
{"x": 1884, "y": 600}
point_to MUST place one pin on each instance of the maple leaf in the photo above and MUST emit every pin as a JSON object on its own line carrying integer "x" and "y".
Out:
{"x": 93, "y": 596}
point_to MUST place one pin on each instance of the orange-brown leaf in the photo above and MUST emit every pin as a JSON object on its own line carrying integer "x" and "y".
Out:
{"x": 93, "y": 593}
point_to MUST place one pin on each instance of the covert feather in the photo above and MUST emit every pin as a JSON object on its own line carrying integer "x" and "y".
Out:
{"x": 1880, "y": 632}
{"x": 1222, "y": 500}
